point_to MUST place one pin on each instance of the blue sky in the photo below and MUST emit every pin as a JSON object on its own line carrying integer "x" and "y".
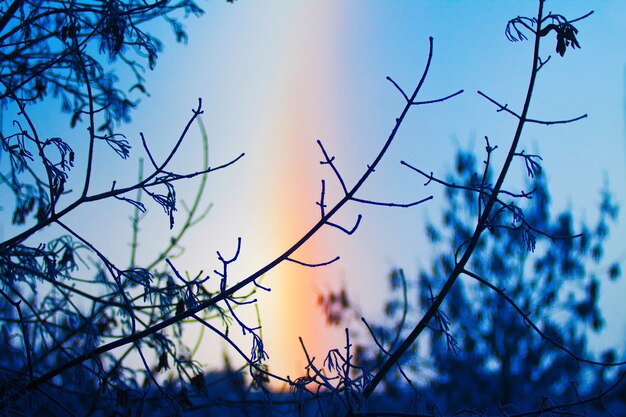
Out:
{"x": 275, "y": 76}
{"x": 262, "y": 66}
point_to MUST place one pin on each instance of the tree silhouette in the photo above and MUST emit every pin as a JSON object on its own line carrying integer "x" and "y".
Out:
{"x": 52, "y": 310}
{"x": 73, "y": 319}
{"x": 57, "y": 49}
{"x": 512, "y": 293}
{"x": 482, "y": 338}
{"x": 69, "y": 337}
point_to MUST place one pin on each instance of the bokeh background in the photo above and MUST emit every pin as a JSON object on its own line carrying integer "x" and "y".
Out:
{"x": 275, "y": 76}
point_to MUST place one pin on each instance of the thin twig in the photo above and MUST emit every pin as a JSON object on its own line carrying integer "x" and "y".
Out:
{"x": 526, "y": 318}
{"x": 541, "y": 122}
{"x": 224, "y": 295}
{"x": 480, "y": 227}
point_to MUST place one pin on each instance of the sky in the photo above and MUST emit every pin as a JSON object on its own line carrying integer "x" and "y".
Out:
{"x": 276, "y": 76}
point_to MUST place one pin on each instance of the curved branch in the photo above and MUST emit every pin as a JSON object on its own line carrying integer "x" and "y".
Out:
{"x": 480, "y": 227}
{"x": 541, "y": 122}
{"x": 532, "y": 325}
{"x": 310, "y": 265}
{"x": 401, "y": 205}
{"x": 224, "y": 295}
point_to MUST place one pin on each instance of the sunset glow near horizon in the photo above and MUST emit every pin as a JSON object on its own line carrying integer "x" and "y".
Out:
{"x": 276, "y": 76}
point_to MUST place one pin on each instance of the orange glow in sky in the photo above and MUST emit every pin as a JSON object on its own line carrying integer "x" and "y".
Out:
{"x": 277, "y": 76}
{"x": 299, "y": 103}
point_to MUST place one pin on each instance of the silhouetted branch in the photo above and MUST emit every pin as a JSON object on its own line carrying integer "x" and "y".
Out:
{"x": 323, "y": 206}
{"x": 480, "y": 227}
{"x": 311, "y": 265}
{"x": 228, "y": 293}
{"x": 330, "y": 161}
{"x": 385, "y": 204}
{"x": 150, "y": 180}
{"x": 147, "y": 149}
{"x": 250, "y": 361}
{"x": 532, "y": 166}
{"x": 542, "y": 62}
{"x": 318, "y": 378}
{"x": 476, "y": 189}
{"x": 526, "y": 317}
{"x": 438, "y": 100}
{"x": 25, "y": 338}
{"x": 387, "y": 353}
{"x": 550, "y": 15}
{"x": 561, "y": 408}
{"x": 343, "y": 229}
{"x": 419, "y": 103}
{"x": 542, "y": 122}
{"x": 399, "y": 89}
